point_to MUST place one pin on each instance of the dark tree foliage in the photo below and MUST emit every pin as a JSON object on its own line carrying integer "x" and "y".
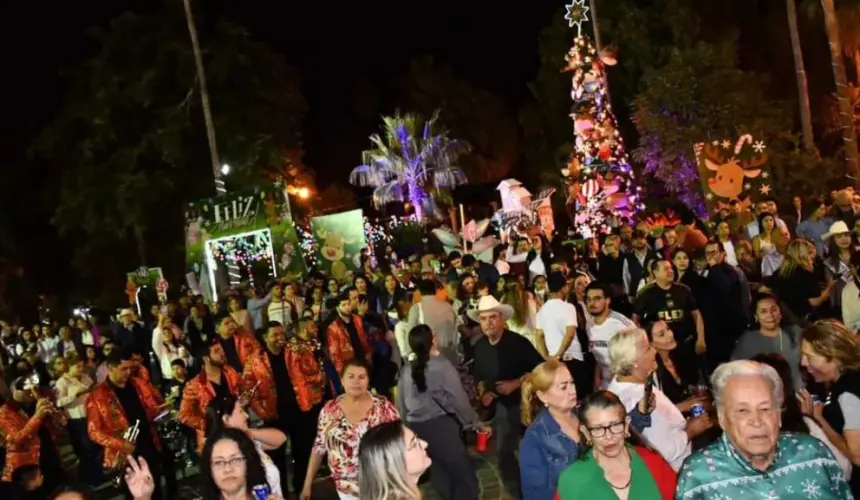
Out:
{"x": 472, "y": 114}
{"x": 132, "y": 144}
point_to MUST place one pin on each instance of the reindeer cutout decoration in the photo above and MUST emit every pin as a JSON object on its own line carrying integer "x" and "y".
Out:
{"x": 737, "y": 173}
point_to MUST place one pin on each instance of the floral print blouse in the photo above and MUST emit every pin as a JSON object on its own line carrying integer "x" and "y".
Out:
{"x": 338, "y": 438}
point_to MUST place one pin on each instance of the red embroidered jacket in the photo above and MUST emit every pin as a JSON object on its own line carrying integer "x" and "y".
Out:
{"x": 338, "y": 345}
{"x": 305, "y": 374}
{"x": 19, "y": 434}
{"x": 246, "y": 345}
{"x": 197, "y": 396}
{"x": 106, "y": 419}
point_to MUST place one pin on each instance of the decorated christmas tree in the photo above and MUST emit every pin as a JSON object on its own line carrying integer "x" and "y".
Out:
{"x": 599, "y": 178}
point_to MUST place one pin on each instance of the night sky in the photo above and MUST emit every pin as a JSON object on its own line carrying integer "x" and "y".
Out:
{"x": 341, "y": 48}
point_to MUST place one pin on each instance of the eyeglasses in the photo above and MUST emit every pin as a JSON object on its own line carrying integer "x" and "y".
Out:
{"x": 233, "y": 463}
{"x": 614, "y": 428}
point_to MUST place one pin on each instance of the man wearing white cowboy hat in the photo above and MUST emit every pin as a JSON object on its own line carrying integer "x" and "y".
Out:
{"x": 128, "y": 333}
{"x": 502, "y": 358}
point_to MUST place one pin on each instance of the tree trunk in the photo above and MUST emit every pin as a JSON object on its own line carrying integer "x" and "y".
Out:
{"x": 204, "y": 98}
{"x": 800, "y": 77}
{"x": 597, "y": 44}
{"x": 140, "y": 243}
{"x": 415, "y": 194}
{"x": 846, "y": 116}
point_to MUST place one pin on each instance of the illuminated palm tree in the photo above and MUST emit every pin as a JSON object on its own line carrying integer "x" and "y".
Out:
{"x": 411, "y": 159}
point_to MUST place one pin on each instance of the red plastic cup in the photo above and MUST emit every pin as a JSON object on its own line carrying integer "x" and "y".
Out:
{"x": 481, "y": 440}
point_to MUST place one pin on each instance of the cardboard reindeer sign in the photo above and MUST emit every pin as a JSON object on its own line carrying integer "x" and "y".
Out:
{"x": 734, "y": 171}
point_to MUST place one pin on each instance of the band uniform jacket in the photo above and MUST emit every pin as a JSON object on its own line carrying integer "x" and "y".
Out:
{"x": 197, "y": 396}
{"x": 19, "y": 434}
{"x": 106, "y": 419}
{"x": 338, "y": 344}
{"x": 246, "y": 345}
{"x": 305, "y": 375}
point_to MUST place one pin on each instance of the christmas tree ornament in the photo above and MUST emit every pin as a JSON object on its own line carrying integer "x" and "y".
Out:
{"x": 577, "y": 13}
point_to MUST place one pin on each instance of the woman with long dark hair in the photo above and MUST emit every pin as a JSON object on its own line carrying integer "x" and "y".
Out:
{"x": 228, "y": 413}
{"x": 230, "y": 468}
{"x": 431, "y": 399}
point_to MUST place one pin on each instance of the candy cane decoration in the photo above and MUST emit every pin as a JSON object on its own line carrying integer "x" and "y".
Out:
{"x": 697, "y": 149}
{"x": 747, "y": 138}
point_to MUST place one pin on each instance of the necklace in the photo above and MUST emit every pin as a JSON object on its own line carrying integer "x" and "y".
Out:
{"x": 629, "y": 480}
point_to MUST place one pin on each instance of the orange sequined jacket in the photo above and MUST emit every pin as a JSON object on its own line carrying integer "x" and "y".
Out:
{"x": 305, "y": 374}
{"x": 106, "y": 419}
{"x": 19, "y": 434}
{"x": 197, "y": 396}
{"x": 338, "y": 345}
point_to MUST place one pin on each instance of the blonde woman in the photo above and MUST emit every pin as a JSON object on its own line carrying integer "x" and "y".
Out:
{"x": 795, "y": 283}
{"x": 524, "y": 319}
{"x": 391, "y": 460}
{"x": 553, "y": 437}
{"x": 830, "y": 352}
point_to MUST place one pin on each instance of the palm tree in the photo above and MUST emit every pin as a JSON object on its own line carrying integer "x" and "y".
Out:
{"x": 800, "y": 77}
{"x": 412, "y": 157}
{"x": 846, "y": 116}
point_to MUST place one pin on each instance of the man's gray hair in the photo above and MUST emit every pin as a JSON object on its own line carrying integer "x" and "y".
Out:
{"x": 745, "y": 368}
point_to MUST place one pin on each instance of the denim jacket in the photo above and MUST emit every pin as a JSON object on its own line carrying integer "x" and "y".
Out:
{"x": 545, "y": 451}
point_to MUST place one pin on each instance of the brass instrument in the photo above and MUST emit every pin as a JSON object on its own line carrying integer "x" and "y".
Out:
{"x": 32, "y": 384}
{"x": 245, "y": 397}
{"x": 117, "y": 467}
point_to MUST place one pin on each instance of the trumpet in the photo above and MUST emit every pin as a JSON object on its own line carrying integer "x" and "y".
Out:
{"x": 32, "y": 384}
{"x": 130, "y": 435}
{"x": 246, "y": 396}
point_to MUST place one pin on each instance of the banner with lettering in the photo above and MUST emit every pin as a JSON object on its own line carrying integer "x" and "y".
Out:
{"x": 339, "y": 238}
{"x": 244, "y": 236}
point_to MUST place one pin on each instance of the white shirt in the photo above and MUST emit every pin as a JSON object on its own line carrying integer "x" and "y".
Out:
{"x": 281, "y": 310}
{"x": 527, "y": 329}
{"x": 817, "y": 432}
{"x": 731, "y": 256}
{"x": 667, "y": 434}
{"x": 273, "y": 476}
{"x": 168, "y": 353}
{"x": 87, "y": 338}
{"x": 598, "y": 341}
{"x": 65, "y": 390}
{"x": 503, "y": 267}
{"x": 553, "y": 319}
{"x": 48, "y": 348}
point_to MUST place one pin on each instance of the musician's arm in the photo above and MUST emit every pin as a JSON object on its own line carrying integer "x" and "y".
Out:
{"x": 30, "y": 429}
{"x": 95, "y": 428}
{"x": 189, "y": 413}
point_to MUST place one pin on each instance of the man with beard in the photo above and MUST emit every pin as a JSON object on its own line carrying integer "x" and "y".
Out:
{"x": 603, "y": 325}
{"x": 345, "y": 338}
{"x": 29, "y": 434}
{"x": 236, "y": 344}
{"x": 216, "y": 380}
{"x": 114, "y": 406}
{"x": 290, "y": 389}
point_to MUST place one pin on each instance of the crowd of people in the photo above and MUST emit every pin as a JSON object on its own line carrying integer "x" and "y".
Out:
{"x": 690, "y": 362}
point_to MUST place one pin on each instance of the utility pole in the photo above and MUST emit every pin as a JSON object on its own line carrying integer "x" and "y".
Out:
{"x": 597, "y": 44}
{"x": 204, "y": 98}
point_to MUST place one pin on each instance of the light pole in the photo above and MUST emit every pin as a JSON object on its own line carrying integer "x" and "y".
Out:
{"x": 204, "y": 98}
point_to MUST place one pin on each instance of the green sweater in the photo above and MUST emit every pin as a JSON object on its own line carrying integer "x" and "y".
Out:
{"x": 584, "y": 479}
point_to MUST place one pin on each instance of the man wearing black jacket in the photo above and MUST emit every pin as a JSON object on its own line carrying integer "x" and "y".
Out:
{"x": 724, "y": 314}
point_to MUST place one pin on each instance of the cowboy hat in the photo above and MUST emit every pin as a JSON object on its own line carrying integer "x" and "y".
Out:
{"x": 488, "y": 303}
{"x": 125, "y": 312}
{"x": 838, "y": 227}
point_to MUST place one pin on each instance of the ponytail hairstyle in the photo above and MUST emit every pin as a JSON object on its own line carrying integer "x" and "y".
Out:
{"x": 539, "y": 380}
{"x": 421, "y": 342}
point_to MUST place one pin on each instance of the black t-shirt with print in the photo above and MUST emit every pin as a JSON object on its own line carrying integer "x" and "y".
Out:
{"x": 674, "y": 306}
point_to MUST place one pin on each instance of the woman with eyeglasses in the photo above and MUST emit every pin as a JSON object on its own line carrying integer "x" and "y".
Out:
{"x": 611, "y": 467}
{"x": 230, "y": 469}
{"x": 228, "y": 413}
